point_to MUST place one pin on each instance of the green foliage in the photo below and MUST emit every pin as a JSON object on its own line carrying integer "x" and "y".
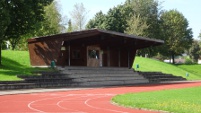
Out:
{"x": 23, "y": 15}
{"x": 137, "y": 26}
{"x": 18, "y": 18}
{"x": 195, "y": 51}
{"x": 147, "y": 64}
{"x": 178, "y": 101}
{"x": 114, "y": 20}
{"x": 4, "y": 18}
{"x": 51, "y": 23}
{"x": 176, "y": 33}
{"x": 4, "y": 22}
{"x": 70, "y": 27}
{"x": 148, "y": 11}
{"x": 14, "y": 63}
{"x": 99, "y": 21}
{"x": 188, "y": 61}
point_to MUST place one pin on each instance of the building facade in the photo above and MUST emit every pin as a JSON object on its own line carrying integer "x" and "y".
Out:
{"x": 92, "y": 48}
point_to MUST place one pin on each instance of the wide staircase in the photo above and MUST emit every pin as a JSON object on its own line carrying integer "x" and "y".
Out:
{"x": 87, "y": 77}
{"x": 158, "y": 77}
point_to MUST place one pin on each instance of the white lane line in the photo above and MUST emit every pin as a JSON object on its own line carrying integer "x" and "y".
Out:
{"x": 82, "y": 95}
{"x": 65, "y": 108}
{"x": 37, "y": 110}
{"x": 98, "y": 108}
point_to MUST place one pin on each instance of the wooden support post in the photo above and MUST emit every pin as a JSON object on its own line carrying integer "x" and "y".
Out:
{"x": 119, "y": 58}
{"x": 69, "y": 55}
{"x": 108, "y": 56}
{"x": 129, "y": 59}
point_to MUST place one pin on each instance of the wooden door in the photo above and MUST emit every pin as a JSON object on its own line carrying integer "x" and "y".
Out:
{"x": 93, "y": 56}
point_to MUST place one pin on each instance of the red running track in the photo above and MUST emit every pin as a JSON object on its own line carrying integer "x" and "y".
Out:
{"x": 81, "y": 101}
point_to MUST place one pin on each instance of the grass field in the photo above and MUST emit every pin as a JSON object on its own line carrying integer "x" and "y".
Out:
{"x": 146, "y": 64}
{"x": 14, "y": 63}
{"x": 178, "y": 101}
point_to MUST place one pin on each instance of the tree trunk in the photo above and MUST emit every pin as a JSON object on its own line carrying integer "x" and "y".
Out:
{"x": 0, "y": 52}
{"x": 172, "y": 54}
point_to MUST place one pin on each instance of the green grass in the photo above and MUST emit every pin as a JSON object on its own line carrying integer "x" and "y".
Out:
{"x": 146, "y": 64}
{"x": 14, "y": 63}
{"x": 178, "y": 101}
{"x": 195, "y": 69}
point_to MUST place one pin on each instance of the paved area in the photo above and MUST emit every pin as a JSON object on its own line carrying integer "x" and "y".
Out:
{"x": 94, "y": 100}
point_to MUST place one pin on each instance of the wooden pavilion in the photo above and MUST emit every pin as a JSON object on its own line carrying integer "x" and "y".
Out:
{"x": 92, "y": 48}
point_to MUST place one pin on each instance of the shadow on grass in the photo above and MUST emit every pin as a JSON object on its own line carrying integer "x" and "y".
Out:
{"x": 12, "y": 68}
{"x": 10, "y": 64}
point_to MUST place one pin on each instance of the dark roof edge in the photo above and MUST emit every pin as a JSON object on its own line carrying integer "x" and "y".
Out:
{"x": 130, "y": 36}
{"x": 61, "y": 34}
{"x": 100, "y": 31}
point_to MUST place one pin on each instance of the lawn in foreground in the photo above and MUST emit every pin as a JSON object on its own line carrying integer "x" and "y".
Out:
{"x": 186, "y": 100}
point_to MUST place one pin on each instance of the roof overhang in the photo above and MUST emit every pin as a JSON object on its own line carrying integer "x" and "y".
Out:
{"x": 140, "y": 42}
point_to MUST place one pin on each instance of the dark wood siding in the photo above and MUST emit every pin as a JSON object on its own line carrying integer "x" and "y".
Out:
{"x": 43, "y": 52}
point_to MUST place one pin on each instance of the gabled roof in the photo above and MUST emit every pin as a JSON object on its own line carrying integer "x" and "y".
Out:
{"x": 94, "y": 32}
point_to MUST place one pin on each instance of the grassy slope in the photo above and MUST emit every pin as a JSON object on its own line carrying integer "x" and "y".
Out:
{"x": 14, "y": 63}
{"x": 180, "y": 70}
{"x": 195, "y": 69}
{"x": 177, "y": 101}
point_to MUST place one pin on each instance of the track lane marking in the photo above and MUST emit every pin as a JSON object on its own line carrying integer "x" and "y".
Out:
{"x": 98, "y": 108}
{"x": 77, "y": 111}
{"x": 39, "y": 100}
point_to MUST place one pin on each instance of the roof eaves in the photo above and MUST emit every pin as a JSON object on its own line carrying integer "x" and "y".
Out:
{"x": 130, "y": 36}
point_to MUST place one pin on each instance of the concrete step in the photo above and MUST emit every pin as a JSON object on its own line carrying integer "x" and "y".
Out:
{"x": 103, "y": 75}
{"x": 100, "y": 70}
{"x": 106, "y": 79}
{"x": 157, "y": 77}
{"x": 96, "y": 72}
{"x": 12, "y": 86}
{"x": 92, "y": 68}
{"x": 110, "y": 83}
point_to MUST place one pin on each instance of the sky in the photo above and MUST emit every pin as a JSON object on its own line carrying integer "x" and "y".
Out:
{"x": 191, "y": 9}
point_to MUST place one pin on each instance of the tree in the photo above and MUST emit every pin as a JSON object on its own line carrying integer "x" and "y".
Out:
{"x": 70, "y": 27}
{"x": 79, "y": 16}
{"x": 51, "y": 24}
{"x": 136, "y": 26}
{"x": 194, "y": 51}
{"x": 144, "y": 21}
{"x": 176, "y": 33}
{"x": 19, "y": 16}
{"x": 4, "y": 22}
{"x": 99, "y": 21}
{"x": 52, "y": 21}
{"x": 115, "y": 19}
{"x": 24, "y": 14}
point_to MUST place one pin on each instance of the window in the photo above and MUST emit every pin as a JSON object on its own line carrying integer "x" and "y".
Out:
{"x": 93, "y": 54}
